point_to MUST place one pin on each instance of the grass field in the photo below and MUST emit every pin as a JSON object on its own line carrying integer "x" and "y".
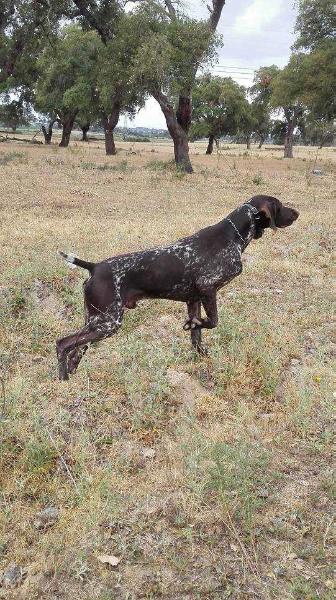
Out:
{"x": 207, "y": 478}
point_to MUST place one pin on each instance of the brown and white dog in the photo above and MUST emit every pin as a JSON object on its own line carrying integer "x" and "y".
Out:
{"x": 191, "y": 270}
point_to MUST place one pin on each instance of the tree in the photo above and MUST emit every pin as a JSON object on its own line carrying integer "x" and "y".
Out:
{"x": 47, "y": 127}
{"x": 218, "y": 106}
{"x": 68, "y": 74}
{"x": 287, "y": 96}
{"x": 25, "y": 28}
{"x": 116, "y": 92}
{"x": 317, "y": 132}
{"x": 261, "y": 92}
{"x": 306, "y": 87}
{"x": 318, "y": 80}
{"x": 278, "y": 132}
{"x": 247, "y": 123}
{"x": 118, "y": 89}
{"x": 315, "y": 23}
{"x": 173, "y": 47}
{"x": 168, "y": 62}
{"x": 14, "y": 112}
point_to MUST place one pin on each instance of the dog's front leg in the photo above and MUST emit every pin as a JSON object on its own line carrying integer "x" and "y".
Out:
{"x": 209, "y": 301}
{"x": 194, "y": 314}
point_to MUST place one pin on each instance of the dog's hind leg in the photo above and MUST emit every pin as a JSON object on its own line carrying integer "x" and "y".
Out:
{"x": 74, "y": 358}
{"x": 98, "y": 328}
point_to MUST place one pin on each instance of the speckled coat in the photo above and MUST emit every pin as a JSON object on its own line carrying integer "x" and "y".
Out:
{"x": 191, "y": 270}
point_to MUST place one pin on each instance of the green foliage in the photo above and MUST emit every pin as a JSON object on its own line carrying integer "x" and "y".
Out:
{"x": 219, "y": 106}
{"x": 307, "y": 84}
{"x": 161, "y": 165}
{"x": 173, "y": 49}
{"x": 10, "y": 156}
{"x": 315, "y": 23}
{"x": 287, "y": 85}
{"x": 115, "y": 75}
{"x": 317, "y": 132}
{"x": 39, "y": 456}
{"x": 278, "y": 131}
{"x": 121, "y": 167}
{"x": 21, "y": 37}
{"x": 318, "y": 77}
{"x": 238, "y": 473}
{"x": 258, "y": 179}
{"x": 261, "y": 92}
{"x": 248, "y": 122}
{"x": 68, "y": 71}
{"x": 14, "y": 113}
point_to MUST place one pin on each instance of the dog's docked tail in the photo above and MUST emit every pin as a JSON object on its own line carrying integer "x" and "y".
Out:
{"x": 74, "y": 262}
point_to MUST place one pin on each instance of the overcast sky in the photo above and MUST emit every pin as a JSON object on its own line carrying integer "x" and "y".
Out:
{"x": 255, "y": 33}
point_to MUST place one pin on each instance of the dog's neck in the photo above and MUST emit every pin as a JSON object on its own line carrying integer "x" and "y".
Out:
{"x": 244, "y": 223}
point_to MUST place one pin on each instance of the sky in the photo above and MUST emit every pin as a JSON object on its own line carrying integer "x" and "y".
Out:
{"x": 255, "y": 33}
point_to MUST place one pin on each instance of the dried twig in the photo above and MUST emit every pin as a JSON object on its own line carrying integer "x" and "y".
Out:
{"x": 3, "y": 394}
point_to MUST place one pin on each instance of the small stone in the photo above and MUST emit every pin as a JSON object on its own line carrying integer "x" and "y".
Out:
{"x": 294, "y": 362}
{"x": 115, "y": 357}
{"x": 263, "y": 493}
{"x": 12, "y": 576}
{"x": 329, "y": 584}
{"x": 317, "y": 172}
{"x": 46, "y": 518}
{"x": 148, "y": 452}
{"x": 279, "y": 571}
{"x": 37, "y": 359}
{"x": 299, "y": 564}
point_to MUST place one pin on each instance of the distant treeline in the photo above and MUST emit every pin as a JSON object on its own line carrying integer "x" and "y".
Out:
{"x": 84, "y": 64}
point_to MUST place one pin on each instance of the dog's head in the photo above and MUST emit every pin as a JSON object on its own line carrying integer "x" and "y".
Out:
{"x": 271, "y": 213}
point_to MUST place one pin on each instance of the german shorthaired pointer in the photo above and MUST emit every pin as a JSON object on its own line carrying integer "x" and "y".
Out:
{"x": 192, "y": 270}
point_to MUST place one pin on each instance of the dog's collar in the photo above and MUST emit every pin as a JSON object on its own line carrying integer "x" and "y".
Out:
{"x": 251, "y": 207}
{"x": 254, "y": 216}
{"x": 236, "y": 229}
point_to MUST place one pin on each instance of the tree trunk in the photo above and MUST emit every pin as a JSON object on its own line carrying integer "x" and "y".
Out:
{"x": 210, "y": 144}
{"x": 184, "y": 109}
{"x": 109, "y": 123}
{"x": 68, "y": 123}
{"x": 178, "y": 131}
{"x": 261, "y": 142}
{"x": 109, "y": 143}
{"x": 85, "y": 128}
{"x": 248, "y": 142}
{"x": 48, "y": 132}
{"x": 288, "y": 153}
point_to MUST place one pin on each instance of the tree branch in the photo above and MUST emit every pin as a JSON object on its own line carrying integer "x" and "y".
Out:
{"x": 215, "y": 13}
{"x": 91, "y": 19}
{"x": 170, "y": 8}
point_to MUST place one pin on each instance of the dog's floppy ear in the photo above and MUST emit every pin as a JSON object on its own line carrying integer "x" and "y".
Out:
{"x": 267, "y": 209}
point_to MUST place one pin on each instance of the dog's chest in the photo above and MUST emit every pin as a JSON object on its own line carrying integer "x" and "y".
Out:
{"x": 219, "y": 268}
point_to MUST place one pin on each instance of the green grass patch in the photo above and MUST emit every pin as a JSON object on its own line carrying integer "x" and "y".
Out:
{"x": 8, "y": 157}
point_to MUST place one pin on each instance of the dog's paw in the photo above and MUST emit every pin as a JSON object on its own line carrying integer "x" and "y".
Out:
{"x": 193, "y": 323}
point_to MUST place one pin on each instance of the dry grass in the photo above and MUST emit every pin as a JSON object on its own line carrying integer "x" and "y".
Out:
{"x": 208, "y": 478}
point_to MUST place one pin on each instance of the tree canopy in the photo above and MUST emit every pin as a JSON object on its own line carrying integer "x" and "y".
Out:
{"x": 219, "y": 104}
{"x": 316, "y": 23}
{"x": 68, "y": 74}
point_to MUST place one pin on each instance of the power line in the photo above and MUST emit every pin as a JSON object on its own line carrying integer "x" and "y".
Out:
{"x": 246, "y": 75}
{"x": 236, "y": 67}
